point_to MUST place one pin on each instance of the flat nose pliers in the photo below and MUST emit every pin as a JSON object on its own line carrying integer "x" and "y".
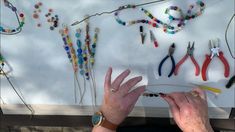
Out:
{"x": 170, "y": 55}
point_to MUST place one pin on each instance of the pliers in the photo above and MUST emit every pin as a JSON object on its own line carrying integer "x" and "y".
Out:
{"x": 170, "y": 55}
{"x": 189, "y": 53}
{"x": 215, "y": 51}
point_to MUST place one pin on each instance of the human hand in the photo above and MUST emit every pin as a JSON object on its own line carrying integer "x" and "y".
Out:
{"x": 119, "y": 100}
{"x": 190, "y": 110}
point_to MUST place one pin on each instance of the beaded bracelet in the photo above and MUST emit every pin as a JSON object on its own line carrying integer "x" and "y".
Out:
{"x": 79, "y": 51}
{"x": 154, "y": 22}
{"x": 92, "y": 56}
{"x": 20, "y": 19}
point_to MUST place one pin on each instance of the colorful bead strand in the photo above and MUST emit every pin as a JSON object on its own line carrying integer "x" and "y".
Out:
{"x": 79, "y": 51}
{"x": 20, "y": 19}
{"x": 93, "y": 47}
{"x": 156, "y": 23}
{"x": 69, "y": 47}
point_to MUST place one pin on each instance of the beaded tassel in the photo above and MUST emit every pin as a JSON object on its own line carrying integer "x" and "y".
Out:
{"x": 154, "y": 22}
{"x": 79, "y": 51}
{"x": 68, "y": 45}
{"x": 20, "y": 19}
{"x": 92, "y": 56}
{"x": 86, "y": 51}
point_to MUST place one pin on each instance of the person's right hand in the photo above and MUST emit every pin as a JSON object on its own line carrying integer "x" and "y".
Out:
{"x": 190, "y": 110}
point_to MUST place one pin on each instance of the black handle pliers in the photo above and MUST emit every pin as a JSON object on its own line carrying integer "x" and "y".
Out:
{"x": 170, "y": 55}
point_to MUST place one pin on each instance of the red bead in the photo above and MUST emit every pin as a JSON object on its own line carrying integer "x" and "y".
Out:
{"x": 21, "y": 15}
{"x": 154, "y": 24}
{"x": 40, "y": 3}
{"x": 50, "y": 10}
{"x": 164, "y": 30}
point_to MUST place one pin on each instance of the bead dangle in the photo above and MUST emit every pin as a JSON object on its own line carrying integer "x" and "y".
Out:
{"x": 79, "y": 51}
{"x": 68, "y": 45}
{"x": 20, "y": 18}
{"x": 93, "y": 47}
{"x": 156, "y": 23}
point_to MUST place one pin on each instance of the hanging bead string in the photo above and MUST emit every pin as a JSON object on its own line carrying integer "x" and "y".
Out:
{"x": 68, "y": 46}
{"x": 156, "y": 23}
{"x": 79, "y": 51}
{"x": 86, "y": 51}
{"x": 20, "y": 19}
{"x": 92, "y": 55}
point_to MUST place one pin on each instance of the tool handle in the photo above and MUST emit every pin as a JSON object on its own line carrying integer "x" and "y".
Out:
{"x": 230, "y": 82}
{"x": 225, "y": 62}
{"x": 173, "y": 66}
{"x": 205, "y": 66}
{"x": 197, "y": 68}
{"x": 160, "y": 65}
{"x": 179, "y": 64}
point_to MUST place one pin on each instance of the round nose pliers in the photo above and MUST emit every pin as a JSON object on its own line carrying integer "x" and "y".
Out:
{"x": 189, "y": 53}
{"x": 170, "y": 55}
{"x": 215, "y": 51}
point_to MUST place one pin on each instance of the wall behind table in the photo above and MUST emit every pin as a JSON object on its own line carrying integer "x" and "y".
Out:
{"x": 41, "y": 69}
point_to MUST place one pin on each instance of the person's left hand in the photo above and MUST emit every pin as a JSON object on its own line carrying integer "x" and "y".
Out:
{"x": 119, "y": 100}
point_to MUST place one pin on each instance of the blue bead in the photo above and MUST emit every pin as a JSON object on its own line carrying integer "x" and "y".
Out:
{"x": 82, "y": 72}
{"x": 80, "y": 61}
{"x": 66, "y": 48}
{"x": 77, "y": 35}
{"x": 79, "y": 51}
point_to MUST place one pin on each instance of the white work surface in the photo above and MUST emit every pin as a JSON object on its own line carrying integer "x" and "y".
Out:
{"x": 43, "y": 73}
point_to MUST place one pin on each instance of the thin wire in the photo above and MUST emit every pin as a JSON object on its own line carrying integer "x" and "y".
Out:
{"x": 21, "y": 98}
{"x": 110, "y": 12}
{"x": 75, "y": 89}
{"x": 79, "y": 86}
{"x": 84, "y": 90}
{"x": 226, "y": 36}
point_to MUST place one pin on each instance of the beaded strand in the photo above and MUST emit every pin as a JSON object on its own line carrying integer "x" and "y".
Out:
{"x": 68, "y": 45}
{"x": 93, "y": 49}
{"x": 156, "y": 23}
{"x": 20, "y": 19}
{"x": 79, "y": 51}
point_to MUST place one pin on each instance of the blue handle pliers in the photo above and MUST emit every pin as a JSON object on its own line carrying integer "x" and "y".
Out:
{"x": 170, "y": 55}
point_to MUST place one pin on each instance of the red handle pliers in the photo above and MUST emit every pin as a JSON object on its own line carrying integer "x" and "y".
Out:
{"x": 215, "y": 51}
{"x": 189, "y": 53}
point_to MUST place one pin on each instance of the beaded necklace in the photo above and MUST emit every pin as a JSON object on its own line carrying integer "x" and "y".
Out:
{"x": 156, "y": 23}
{"x": 20, "y": 19}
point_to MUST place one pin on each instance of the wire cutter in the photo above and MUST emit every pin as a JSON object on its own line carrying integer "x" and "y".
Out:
{"x": 215, "y": 51}
{"x": 189, "y": 53}
{"x": 170, "y": 55}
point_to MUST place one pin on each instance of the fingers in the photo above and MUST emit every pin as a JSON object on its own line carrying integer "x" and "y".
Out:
{"x": 179, "y": 98}
{"x": 126, "y": 87}
{"x": 117, "y": 82}
{"x": 173, "y": 107}
{"x": 107, "y": 82}
{"x": 200, "y": 92}
{"x": 132, "y": 97}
